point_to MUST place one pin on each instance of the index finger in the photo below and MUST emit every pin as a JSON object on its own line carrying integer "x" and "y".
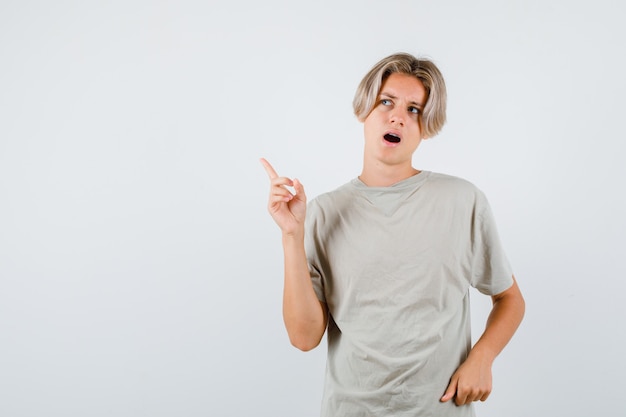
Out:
{"x": 269, "y": 169}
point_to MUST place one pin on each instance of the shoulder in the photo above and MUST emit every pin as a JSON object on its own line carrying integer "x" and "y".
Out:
{"x": 453, "y": 186}
{"x": 449, "y": 180}
{"x": 333, "y": 199}
{"x": 325, "y": 210}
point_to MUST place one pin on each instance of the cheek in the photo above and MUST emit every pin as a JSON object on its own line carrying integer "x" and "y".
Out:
{"x": 416, "y": 132}
{"x": 418, "y": 125}
{"x": 370, "y": 125}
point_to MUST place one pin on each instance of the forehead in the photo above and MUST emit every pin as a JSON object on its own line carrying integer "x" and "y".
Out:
{"x": 404, "y": 86}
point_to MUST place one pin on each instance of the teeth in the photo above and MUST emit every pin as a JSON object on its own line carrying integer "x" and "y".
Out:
{"x": 390, "y": 137}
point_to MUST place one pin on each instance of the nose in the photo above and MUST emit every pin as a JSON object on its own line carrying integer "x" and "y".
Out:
{"x": 396, "y": 117}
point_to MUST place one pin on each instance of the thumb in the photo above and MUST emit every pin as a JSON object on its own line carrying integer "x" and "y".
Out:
{"x": 450, "y": 391}
{"x": 299, "y": 189}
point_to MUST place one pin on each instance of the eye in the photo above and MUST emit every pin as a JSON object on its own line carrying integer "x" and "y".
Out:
{"x": 414, "y": 110}
{"x": 385, "y": 102}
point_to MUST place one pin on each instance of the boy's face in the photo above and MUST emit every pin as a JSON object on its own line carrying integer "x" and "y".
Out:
{"x": 393, "y": 128}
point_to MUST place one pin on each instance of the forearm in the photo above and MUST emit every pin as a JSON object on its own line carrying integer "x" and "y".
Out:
{"x": 472, "y": 380}
{"x": 504, "y": 319}
{"x": 303, "y": 313}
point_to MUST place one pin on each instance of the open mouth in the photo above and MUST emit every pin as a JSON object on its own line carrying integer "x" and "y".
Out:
{"x": 390, "y": 137}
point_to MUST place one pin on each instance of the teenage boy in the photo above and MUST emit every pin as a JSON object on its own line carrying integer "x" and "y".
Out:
{"x": 384, "y": 264}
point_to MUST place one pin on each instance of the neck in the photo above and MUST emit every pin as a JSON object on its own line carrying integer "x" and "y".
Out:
{"x": 385, "y": 176}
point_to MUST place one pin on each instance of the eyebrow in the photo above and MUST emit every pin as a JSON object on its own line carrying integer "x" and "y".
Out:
{"x": 391, "y": 96}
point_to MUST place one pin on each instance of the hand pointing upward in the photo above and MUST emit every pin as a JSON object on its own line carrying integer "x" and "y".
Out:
{"x": 286, "y": 208}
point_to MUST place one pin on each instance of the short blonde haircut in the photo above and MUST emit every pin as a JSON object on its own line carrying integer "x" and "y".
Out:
{"x": 433, "y": 116}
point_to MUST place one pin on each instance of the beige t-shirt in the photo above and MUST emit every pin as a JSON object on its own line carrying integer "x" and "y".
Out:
{"x": 394, "y": 265}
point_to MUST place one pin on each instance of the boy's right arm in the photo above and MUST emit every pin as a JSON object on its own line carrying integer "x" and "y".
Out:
{"x": 305, "y": 316}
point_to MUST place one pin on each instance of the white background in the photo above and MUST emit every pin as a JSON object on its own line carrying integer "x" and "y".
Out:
{"x": 140, "y": 274}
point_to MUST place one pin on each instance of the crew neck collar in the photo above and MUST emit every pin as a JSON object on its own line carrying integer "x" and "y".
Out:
{"x": 409, "y": 182}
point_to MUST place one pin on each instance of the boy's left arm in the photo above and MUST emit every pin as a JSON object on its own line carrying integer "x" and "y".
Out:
{"x": 472, "y": 380}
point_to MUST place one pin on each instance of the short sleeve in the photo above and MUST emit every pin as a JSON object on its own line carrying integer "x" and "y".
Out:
{"x": 491, "y": 271}
{"x": 314, "y": 249}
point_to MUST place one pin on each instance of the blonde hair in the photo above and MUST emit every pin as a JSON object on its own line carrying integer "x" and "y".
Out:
{"x": 433, "y": 116}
